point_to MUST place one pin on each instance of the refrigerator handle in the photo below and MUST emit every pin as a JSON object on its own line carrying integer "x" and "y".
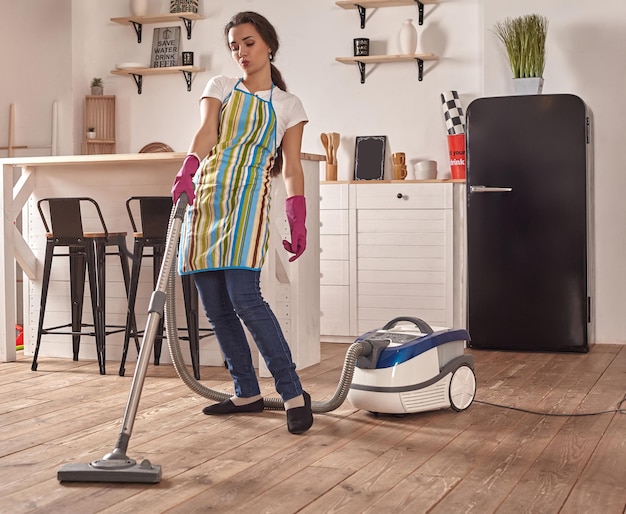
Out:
{"x": 487, "y": 189}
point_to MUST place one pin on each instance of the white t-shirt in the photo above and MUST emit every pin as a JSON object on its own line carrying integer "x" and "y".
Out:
{"x": 288, "y": 107}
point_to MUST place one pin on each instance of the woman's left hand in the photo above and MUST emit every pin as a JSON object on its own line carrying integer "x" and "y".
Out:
{"x": 295, "y": 208}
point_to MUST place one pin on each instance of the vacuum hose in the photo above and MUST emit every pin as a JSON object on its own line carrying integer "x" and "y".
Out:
{"x": 354, "y": 351}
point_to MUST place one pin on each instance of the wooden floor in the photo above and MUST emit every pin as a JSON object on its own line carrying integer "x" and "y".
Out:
{"x": 485, "y": 459}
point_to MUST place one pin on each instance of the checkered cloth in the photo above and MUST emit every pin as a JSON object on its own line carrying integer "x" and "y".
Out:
{"x": 453, "y": 112}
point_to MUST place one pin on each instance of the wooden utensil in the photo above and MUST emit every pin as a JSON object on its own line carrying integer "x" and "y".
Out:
{"x": 335, "y": 140}
{"x": 331, "y": 148}
{"x": 326, "y": 145}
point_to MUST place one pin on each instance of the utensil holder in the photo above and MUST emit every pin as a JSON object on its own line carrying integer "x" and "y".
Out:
{"x": 331, "y": 172}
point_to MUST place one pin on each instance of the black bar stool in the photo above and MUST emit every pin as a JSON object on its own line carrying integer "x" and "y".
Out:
{"x": 87, "y": 251}
{"x": 154, "y": 213}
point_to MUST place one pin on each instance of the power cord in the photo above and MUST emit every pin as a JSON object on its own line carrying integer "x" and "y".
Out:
{"x": 618, "y": 409}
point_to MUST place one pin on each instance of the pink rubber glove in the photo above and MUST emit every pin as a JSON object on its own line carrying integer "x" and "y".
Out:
{"x": 295, "y": 208}
{"x": 183, "y": 183}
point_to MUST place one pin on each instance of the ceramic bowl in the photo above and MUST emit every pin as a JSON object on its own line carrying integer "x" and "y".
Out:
{"x": 425, "y": 170}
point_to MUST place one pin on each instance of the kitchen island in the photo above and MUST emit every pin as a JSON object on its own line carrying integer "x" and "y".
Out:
{"x": 292, "y": 289}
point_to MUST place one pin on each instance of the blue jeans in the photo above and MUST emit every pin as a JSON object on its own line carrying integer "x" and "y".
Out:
{"x": 229, "y": 297}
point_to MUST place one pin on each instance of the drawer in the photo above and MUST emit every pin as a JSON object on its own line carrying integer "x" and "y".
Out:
{"x": 334, "y": 273}
{"x": 404, "y": 196}
{"x": 334, "y": 221}
{"x": 334, "y": 247}
{"x": 333, "y": 196}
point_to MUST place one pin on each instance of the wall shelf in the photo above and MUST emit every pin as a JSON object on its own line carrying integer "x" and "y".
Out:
{"x": 361, "y": 61}
{"x": 138, "y": 73}
{"x": 363, "y": 5}
{"x": 100, "y": 114}
{"x": 138, "y": 21}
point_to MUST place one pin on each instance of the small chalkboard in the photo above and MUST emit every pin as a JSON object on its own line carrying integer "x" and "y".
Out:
{"x": 165, "y": 47}
{"x": 369, "y": 157}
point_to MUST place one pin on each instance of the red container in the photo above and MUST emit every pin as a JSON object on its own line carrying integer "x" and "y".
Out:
{"x": 19, "y": 339}
{"x": 456, "y": 147}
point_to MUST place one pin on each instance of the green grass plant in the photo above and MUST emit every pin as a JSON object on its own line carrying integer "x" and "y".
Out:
{"x": 524, "y": 39}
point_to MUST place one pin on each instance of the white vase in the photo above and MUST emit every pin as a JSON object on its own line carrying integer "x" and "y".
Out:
{"x": 408, "y": 38}
{"x": 139, "y": 7}
{"x": 528, "y": 85}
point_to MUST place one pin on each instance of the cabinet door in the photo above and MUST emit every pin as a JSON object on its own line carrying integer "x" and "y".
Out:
{"x": 404, "y": 254}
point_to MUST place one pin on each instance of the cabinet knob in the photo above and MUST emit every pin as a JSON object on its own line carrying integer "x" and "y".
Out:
{"x": 399, "y": 195}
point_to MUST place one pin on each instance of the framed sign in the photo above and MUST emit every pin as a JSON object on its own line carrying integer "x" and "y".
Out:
{"x": 165, "y": 47}
{"x": 369, "y": 157}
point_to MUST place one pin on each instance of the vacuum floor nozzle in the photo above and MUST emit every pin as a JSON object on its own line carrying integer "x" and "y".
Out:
{"x": 141, "y": 473}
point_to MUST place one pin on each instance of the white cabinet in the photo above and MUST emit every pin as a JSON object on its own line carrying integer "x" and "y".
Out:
{"x": 334, "y": 260}
{"x": 387, "y": 250}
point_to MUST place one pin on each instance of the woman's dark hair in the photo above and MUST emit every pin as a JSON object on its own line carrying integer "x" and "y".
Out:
{"x": 268, "y": 33}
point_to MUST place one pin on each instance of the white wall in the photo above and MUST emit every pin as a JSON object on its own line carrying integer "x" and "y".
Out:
{"x": 67, "y": 42}
{"x": 392, "y": 102}
{"x": 36, "y": 70}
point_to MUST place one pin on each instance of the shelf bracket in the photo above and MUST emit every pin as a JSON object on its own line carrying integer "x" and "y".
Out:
{"x": 361, "y": 66}
{"x": 361, "y": 14}
{"x": 138, "y": 81}
{"x": 187, "y": 23}
{"x": 137, "y": 27}
{"x": 420, "y": 68}
{"x": 187, "y": 75}
{"x": 420, "y": 9}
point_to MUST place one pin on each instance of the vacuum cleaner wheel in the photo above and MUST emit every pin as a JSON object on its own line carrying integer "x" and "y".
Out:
{"x": 462, "y": 388}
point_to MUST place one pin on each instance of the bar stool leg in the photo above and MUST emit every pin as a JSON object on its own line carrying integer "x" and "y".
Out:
{"x": 96, "y": 267}
{"x": 44, "y": 296}
{"x": 157, "y": 260}
{"x": 124, "y": 253}
{"x": 131, "y": 325}
{"x": 77, "y": 292}
{"x": 190, "y": 295}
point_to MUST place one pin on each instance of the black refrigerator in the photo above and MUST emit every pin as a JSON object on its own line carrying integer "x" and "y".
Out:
{"x": 529, "y": 223}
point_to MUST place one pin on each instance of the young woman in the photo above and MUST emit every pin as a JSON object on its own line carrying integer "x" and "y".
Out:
{"x": 250, "y": 130}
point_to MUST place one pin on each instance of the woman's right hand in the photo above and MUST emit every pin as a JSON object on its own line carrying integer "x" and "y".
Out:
{"x": 183, "y": 183}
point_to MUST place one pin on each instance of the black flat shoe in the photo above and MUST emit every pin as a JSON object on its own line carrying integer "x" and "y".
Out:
{"x": 300, "y": 419}
{"x": 228, "y": 407}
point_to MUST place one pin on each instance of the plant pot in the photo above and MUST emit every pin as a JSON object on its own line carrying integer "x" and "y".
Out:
{"x": 95, "y": 90}
{"x": 91, "y": 135}
{"x": 528, "y": 85}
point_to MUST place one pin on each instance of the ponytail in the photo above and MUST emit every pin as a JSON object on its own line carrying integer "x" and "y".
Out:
{"x": 277, "y": 166}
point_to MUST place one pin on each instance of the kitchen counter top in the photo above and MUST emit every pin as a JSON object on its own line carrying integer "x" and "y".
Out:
{"x": 431, "y": 181}
{"x": 142, "y": 158}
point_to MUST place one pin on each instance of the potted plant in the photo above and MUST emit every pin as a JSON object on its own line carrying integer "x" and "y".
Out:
{"x": 91, "y": 133}
{"x": 97, "y": 87}
{"x": 524, "y": 39}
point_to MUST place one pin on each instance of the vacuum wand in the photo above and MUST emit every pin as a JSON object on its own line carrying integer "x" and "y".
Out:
{"x": 117, "y": 466}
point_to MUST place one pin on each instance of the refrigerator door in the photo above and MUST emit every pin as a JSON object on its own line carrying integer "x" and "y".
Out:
{"x": 527, "y": 212}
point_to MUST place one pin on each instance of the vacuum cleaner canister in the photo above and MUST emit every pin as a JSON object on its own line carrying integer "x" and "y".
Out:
{"x": 413, "y": 368}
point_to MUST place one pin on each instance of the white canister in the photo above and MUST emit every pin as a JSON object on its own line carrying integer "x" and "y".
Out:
{"x": 408, "y": 38}
{"x": 139, "y": 7}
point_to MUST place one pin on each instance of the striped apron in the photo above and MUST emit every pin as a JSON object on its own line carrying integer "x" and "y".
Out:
{"x": 228, "y": 224}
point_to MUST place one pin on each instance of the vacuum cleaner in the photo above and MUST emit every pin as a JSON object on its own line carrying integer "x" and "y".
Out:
{"x": 428, "y": 364}
{"x": 413, "y": 368}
